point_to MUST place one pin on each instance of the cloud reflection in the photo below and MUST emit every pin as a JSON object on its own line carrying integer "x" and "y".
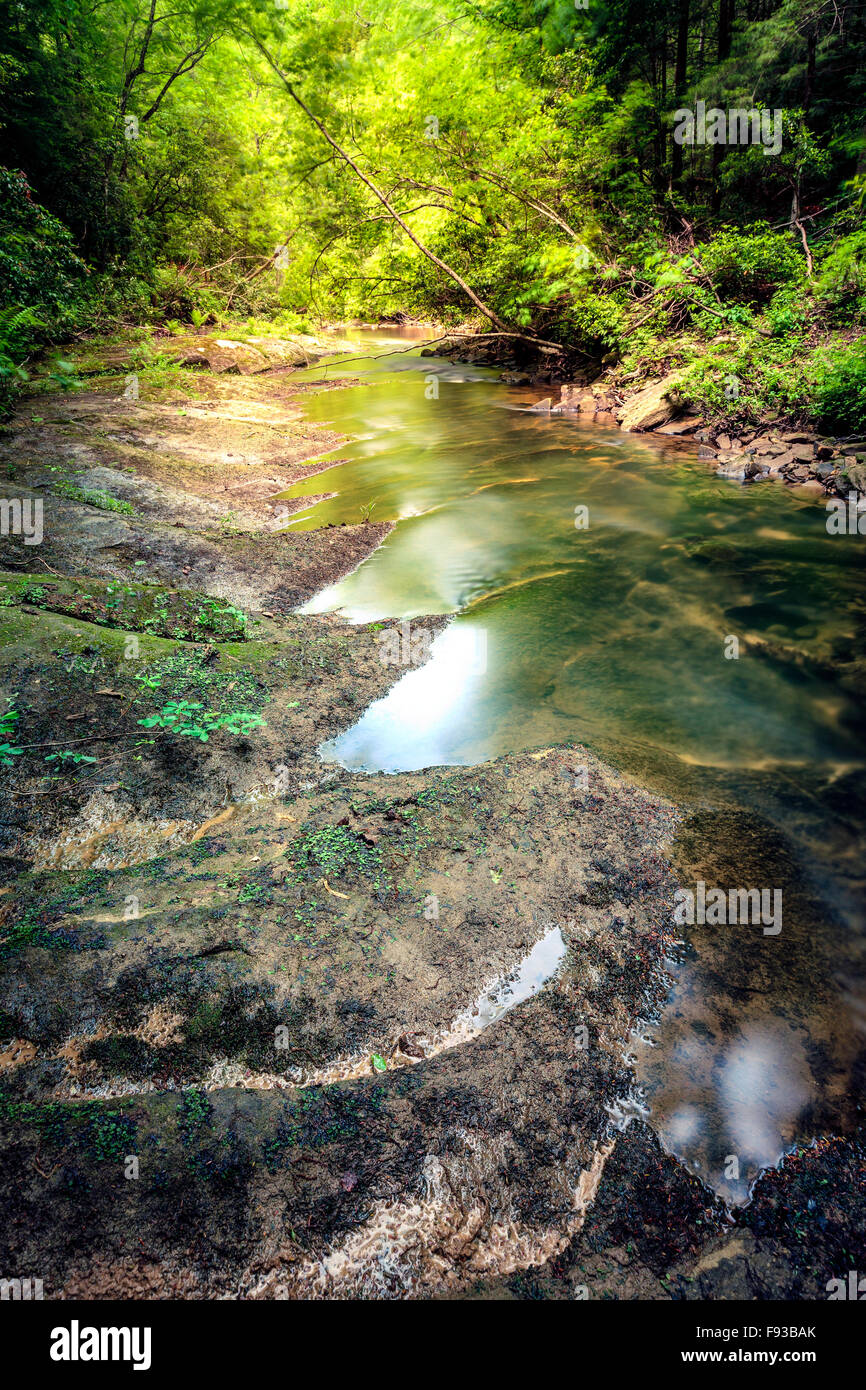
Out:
{"x": 424, "y": 706}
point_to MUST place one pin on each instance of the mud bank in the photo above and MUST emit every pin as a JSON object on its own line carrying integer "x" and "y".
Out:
{"x": 238, "y": 1052}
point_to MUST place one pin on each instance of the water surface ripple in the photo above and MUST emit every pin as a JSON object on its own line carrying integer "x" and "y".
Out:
{"x": 614, "y": 634}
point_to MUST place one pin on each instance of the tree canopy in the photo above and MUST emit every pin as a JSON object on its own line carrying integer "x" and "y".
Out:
{"x": 510, "y": 162}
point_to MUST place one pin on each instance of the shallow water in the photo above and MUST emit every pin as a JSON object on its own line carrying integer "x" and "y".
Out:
{"x": 599, "y": 581}
{"x": 528, "y": 977}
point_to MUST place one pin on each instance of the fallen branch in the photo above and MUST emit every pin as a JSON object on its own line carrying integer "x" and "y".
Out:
{"x": 425, "y": 251}
{"x": 809, "y": 263}
{"x": 443, "y": 338}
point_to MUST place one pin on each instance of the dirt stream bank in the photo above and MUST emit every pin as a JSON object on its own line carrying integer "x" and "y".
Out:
{"x": 237, "y": 1053}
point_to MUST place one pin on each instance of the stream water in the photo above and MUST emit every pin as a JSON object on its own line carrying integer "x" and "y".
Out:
{"x": 597, "y": 580}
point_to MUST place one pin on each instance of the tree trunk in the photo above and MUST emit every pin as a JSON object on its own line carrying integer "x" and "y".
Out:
{"x": 726, "y": 28}
{"x": 724, "y": 38}
{"x": 680, "y": 80}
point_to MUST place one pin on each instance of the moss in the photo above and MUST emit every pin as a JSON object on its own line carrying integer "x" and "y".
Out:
{"x": 109, "y": 1136}
{"x": 188, "y": 675}
{"x": 123, "y": 1055}
{"x": 195, "y": 1114}
{"x": 49, "y": 1118}
{"x": 184, "y": 615}
{"x": 334, "y": 851}
{"x": 93, "y": 497}
{"x": 34, "y": 928}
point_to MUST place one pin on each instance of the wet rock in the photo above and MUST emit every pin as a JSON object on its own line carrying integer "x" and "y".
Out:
{"x": 765, "y": 445}
{"x": 734, "y": 465}
{"x": 780, "y": 463}
{"x": 853, "y": 477}
{"x": 796, "y": 473}
{"x": 577, "y": 398}
{"x": 505, "y": 1134}
{"x": 652, "y": 406}
{"x": 685, "y": 425}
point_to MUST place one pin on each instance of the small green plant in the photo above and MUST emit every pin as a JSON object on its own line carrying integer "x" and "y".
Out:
{"x": 194, "y": 1115}
{"x": 841, "y": 396}
{"x": 190, "y": 718}
{"x": 333, "y": 852}
{"x": 7, "y": 726}
{"x": 110, "y": 1136}
{"x": 33, "y": 593}
{"x": 68, "y": 755}
{"x": 225, "y": 621}
{"x": 153, "y": 680}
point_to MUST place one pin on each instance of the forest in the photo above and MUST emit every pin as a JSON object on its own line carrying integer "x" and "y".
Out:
{"x": 512, "y": 166}
{"x": 432, "y": 667}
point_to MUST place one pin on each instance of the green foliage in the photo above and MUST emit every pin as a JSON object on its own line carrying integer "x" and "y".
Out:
{"x": 188, "y": 675}
{"x": 549, "y": 180}
{"x": 842, "y": 279}
{"x": 38, "y": 263}
{"x": 40, "y": 275}
{"x": 8, "y": 752}
{"x": 94, "y": 497}
{"x": 788, "y": 312}
{"x": 749, "y": 266}
{"x": 18, "y": 328}
{"x": 841, "y": 394}
{"x": 190, "y": 718}
{"x": 743, "y": 380}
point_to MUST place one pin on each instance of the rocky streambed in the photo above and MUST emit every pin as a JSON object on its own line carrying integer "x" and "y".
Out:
{"x": 798, "y": 457}
{"x": 773, "y": 448}
{"x": 257, "y": 1038}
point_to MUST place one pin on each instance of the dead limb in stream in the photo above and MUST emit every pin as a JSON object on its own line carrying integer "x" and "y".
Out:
{"x": 490, "y": 314}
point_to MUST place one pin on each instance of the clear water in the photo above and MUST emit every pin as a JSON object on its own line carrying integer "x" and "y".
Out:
{"x": 615, "y": 634}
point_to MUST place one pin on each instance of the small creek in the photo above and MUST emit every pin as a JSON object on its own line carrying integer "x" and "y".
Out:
{"x": 614, "y": 634}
